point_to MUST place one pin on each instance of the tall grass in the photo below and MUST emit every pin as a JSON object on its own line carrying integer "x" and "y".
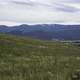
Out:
{"x": 27, "y": 59}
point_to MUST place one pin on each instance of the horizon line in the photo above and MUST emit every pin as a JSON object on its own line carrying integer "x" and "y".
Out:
{"x": 25, "y": 23}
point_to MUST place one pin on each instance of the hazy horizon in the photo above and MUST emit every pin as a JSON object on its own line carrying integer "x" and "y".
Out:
{"x": 17, "y": 24}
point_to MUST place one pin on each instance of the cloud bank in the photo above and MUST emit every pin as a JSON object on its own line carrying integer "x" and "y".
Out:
{"x": 39, "y": 11}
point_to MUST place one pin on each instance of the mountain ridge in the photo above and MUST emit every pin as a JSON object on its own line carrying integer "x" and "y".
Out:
{"x": 44, "y": 31}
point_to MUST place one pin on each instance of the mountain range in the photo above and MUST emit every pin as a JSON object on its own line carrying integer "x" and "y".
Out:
{"x": 44, "y": 31}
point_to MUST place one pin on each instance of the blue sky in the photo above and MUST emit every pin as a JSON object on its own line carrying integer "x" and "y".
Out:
{"x": 39, "y": 11}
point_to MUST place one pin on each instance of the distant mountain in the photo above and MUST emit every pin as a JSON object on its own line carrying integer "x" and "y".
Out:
{"x": 44, "y": 31}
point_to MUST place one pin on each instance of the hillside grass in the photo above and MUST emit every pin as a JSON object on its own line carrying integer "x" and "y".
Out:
{"x": 29, "y": 59}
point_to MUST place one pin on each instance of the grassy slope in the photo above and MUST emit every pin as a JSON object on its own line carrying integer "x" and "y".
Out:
{"x": 27, "y": 59}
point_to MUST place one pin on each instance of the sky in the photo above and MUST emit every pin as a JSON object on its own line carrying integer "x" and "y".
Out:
{"x": 39, "y": 12}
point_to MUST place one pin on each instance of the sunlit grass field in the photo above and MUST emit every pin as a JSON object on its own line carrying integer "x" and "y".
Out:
{"x": 29, "y": 59}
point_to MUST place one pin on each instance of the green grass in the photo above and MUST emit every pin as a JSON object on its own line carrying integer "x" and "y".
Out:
{"x": 28, "y": 59}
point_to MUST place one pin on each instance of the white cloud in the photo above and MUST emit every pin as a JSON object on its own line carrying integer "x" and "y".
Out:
{"x": 39, "y": 11}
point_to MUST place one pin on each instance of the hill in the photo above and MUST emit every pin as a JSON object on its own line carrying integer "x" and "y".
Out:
{"x": 28, "y": 59}
{"x": 44, "y": 31}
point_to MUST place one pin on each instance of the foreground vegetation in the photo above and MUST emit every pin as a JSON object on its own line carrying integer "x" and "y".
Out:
{"x": 27, "y": 59}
